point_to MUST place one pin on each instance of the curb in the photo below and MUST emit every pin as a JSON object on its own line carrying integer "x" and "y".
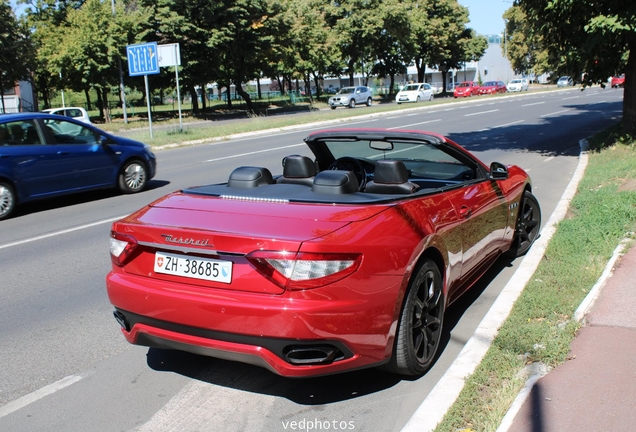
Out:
{"x": 433, "y": 409}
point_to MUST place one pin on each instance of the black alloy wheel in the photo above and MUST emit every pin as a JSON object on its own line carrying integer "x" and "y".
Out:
{"x": 420, "y": 329}
{"x": 527, "y": 227}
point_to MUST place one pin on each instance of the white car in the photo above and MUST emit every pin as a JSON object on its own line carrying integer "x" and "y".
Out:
{"x": 350, "y": 96}
{"x": 73, "y": 112}
{"x": 518, "y": 85}
{"x": 415, "y": 93}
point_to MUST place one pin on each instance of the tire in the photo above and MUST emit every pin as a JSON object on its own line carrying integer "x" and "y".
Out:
{"x": 527, "y": 226}
{"x": 420, "y": 328}
{"x": 431, "y": 98}
{"x": 369, "y": 102}
{"x": 133, "y": 177}
{"x": 7, "y": 200}
{"x": 352, "y": 103}
{"x": 333, "y": 107}
{"x": 418, "y": 100}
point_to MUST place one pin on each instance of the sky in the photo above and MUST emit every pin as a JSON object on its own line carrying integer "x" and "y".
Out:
{"x": 486, "y": 15}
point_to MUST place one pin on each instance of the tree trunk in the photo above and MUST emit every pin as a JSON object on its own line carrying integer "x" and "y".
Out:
{"x": 107, "y": 117}
{"x": 307, "y": 80}
{"x": 245, "y": 95}
{"x": 391, "y": 85}
{"x": 421, "y": 68}
{"x": 351, "y": 72}
{"x": 204, "y": 98}
{"x": 88, "y": 99}
{"x": 228, "y": 94}
{"x": 318, "y": 85}
{"x": 629, "y": 90}
{"x": 195, "y": 99}
{"x": 100, "y": 105}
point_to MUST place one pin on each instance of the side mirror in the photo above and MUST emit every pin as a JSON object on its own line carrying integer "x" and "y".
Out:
{"x": 498, "y": 171}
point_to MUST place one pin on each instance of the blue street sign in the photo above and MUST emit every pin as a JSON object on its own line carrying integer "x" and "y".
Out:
{"x": 142, "y": 59}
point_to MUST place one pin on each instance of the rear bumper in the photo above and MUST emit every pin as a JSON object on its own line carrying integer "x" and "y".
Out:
{"x": 285, "y": 334}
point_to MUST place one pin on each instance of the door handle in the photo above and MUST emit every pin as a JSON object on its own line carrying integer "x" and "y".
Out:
{"x": 465, "y": 212}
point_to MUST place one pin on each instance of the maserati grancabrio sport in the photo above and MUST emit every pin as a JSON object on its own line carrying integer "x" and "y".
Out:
{"x": 343, "y": 261}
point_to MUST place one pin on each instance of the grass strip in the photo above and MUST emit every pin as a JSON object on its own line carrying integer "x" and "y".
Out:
{"x": 540, "y": 326}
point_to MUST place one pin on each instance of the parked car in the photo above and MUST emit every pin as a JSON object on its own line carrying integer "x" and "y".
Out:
{"x": 518, "y": 85}
{"x": 350, "y": 96}
{"x": 617, "y": 81}
{"x": 340, "y": 263}
{"x": 415, "y": 93}
{"x": 565, "y": 81}
{"x": 466, "y": 89}
{"x": 492, "y": 87}
{"x": 76, "y": 113}
{"x": 46, "y": 155}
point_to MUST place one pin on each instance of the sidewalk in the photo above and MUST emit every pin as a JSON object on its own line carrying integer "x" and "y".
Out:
{"x": 594, "y": 391}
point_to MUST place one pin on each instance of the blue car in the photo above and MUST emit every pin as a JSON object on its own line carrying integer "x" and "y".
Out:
{"x": 47, "y": 155}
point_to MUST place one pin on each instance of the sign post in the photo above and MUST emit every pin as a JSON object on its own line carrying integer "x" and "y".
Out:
{"x": 169, "y": 55}
{"x": 143, "y": 60}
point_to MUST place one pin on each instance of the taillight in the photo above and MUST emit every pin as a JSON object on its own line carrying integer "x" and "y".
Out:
{"x": 304, "y": 270}
{"x": 121, "y": 247}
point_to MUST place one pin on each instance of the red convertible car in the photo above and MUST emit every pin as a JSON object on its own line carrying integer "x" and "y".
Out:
{"x": 344, "y": 261}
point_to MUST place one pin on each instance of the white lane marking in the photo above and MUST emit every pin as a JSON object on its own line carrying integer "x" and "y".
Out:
{"x": 38, "y": 394}
{"x": 433, "y": 409}
{"x": 507, "y": 124}
{"x": 57, "y": 233}
{"x": 254, "y": 152}
{"x": 415, "y": 124}
{"x": 573, "y": 97}
{"x": 557, "y": 112}
{"x": 481, "y": 112}
{"x": 548, "y": 159}
{"x": 535, "y": 103}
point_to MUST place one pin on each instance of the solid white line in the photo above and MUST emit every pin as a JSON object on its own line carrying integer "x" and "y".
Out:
{"x": 481, "y": 112}
{"x": 57, "y": 233}
{"x": 535, "y": 103}
{"x": 432, "y": 410}
{"x": 38, "y": 394}
{"x": 557, "y": 112}
{"x": 254, "y": 152}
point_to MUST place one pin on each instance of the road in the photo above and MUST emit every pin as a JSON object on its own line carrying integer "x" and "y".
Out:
{"x": 66, "y": 367}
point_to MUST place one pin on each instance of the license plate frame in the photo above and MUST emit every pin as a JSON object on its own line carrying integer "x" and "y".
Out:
{"x": 193, "y": 267}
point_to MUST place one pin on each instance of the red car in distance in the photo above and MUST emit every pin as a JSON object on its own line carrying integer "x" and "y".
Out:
{"x": 347, "y": 260}
{"x": 466, "y": 89}
{"x": 492, "y": 87}
{"x": 618, "y": 81}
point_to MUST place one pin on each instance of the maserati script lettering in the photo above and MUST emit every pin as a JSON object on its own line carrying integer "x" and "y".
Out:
{"x": 185, "y": 241}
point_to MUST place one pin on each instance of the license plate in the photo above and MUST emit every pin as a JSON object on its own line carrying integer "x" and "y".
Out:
{"x": 193, "y": 267}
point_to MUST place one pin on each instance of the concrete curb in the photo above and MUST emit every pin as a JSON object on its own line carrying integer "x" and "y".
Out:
{"x": 433, "y": 409}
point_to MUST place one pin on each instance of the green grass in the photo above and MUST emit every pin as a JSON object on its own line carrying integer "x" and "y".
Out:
{"x": 540, "y": 327}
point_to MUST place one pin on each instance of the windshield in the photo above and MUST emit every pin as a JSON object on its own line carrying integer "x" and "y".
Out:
{"x": 347, "y": 90}
{"x": 464, "y": 84}
{"x": 411, "y": 87}
{"x": 515, "y": 82}
{"x": 490, "y": 83}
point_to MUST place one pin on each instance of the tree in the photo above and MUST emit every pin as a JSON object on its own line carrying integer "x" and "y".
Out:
{"x": 16, "y": 50}
{"x": 523, "y": 47}
{"x": 593, "y": 40}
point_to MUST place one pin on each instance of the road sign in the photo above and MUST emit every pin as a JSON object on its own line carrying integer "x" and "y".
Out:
{"x": 169, "y": 55}
{"x": 142, "y": 59}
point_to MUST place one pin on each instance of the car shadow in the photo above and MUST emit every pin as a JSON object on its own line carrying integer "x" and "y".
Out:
{"x": 77, "y": 198}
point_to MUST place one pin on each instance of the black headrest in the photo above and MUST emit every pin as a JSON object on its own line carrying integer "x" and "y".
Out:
{"x": 246, "y": 176}
{"x": 390, "y": 172}
{"x": 296, "y": 166}
{"x": 335, "y": 182}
